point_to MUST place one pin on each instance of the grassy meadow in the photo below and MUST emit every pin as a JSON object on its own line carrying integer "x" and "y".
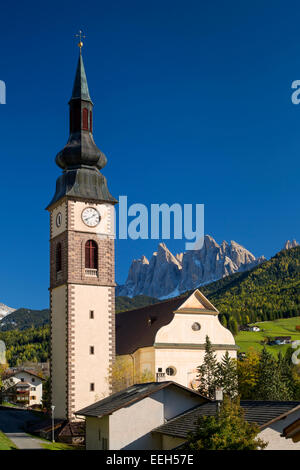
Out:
{"x": 281, "y": 327}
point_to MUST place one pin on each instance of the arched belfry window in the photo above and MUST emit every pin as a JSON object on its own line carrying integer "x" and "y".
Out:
{"x": 91, "y": 255}
{"x": 85, "y": 119}
{"x": 58, "y": 258}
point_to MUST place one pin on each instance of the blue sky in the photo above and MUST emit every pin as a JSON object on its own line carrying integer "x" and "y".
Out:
{"x": 192, "y": 105}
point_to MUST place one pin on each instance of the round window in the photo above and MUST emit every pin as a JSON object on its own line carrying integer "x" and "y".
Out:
{"x": 196, "y": 326}
{"x": 170, "y": 371}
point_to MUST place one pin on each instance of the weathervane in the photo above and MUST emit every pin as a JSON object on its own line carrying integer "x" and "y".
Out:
{"x": 81, "y": 36}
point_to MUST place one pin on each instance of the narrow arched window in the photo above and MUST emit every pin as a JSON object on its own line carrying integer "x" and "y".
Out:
{"x": 91, "y": 255}
{"x": 91, "y": 121}
{"x": 58, "y": 257}
{"x": 85, "y": 119}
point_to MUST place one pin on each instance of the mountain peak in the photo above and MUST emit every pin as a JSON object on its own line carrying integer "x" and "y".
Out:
{"x": 5, "y": 310}
{"x": 290, "y": 244}
{"x": 166, "y": 275}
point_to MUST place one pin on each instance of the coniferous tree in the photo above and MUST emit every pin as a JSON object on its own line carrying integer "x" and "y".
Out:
{"x": 227, "y": 430}
{"x": 270, "y": 384}
{"x": 208, "y": 373}
{"x": 223, "y": 320}
{"x": 233, "y": 326}
{"x": 228, "y": 376}
{"x": 287, "y": 374}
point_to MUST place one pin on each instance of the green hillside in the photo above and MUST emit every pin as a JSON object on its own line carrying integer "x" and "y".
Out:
{"x": 126, "y": 303}
{"x": 268, "y": 292}
{"x": 282, "y": 327}
{"x": 31, "y": 344}
{"x": 24, "y": 318}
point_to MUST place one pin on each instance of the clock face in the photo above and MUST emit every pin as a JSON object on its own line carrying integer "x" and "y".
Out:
{"x": 91, "y": 217}
{"x": 58, "y": 219}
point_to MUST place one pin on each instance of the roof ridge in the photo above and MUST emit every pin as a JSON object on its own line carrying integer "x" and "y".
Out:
{"x": 155, "y": 304}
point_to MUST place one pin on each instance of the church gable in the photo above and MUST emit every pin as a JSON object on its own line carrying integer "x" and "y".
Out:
{"x": 197, "y": 302}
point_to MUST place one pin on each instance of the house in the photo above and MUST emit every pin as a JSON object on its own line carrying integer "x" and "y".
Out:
{"x": 125, "y": 420}
{"x": 292, "y": 431}
{"x": 271, "y": 416}
{"x": 159, "y": 416}
{"x": 249, "y": 328}
{"x": 23, "y": 387}
{"x": 283, "y": 339}
{"x": 168, "y": 338}
{"x": 254, "y": 328}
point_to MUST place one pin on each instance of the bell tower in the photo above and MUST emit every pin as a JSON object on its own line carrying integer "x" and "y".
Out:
{"x": 82, "y": 279}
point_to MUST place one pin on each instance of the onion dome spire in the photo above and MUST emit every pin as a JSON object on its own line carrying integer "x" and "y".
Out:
{"x": 81, "y": 159}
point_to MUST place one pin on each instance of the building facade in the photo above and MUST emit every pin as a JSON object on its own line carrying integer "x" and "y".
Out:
{"x": 125, "y": 420}
{"x": 24, "y": 388}
{"x": 167, "y": 339}
{"x": 82, "y": 279}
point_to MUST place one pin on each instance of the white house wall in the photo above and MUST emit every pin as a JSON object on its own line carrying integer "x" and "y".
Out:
{"x": 130, "y": 428}
{"x": 96, "y": 430}
{"x": 34, "y": 382}
{"x": 272, "y": 434}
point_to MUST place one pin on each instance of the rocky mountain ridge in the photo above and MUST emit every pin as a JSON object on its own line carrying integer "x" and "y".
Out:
{"x": 5, "y": 310}
{"x": 290, "y": 244}
{"x": 166, "y": 275}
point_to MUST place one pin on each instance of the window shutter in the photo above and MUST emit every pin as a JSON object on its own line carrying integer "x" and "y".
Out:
{"x": 85, "y": 118}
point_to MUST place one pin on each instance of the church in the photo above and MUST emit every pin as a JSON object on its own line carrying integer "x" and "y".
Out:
{"x": 167, "y": 338}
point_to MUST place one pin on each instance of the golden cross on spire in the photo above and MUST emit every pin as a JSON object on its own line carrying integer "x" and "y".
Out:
{"x": 81, "y": 36}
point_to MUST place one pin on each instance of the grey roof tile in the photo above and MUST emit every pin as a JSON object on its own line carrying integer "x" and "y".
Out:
{"x": 260, "y": 412}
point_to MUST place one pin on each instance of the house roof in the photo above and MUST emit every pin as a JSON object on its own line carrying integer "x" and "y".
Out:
{"x": 22, "y": 384}
{"x": 30, "y": 373}
{"x": 262, "y": 413}
{"x": 293, "y": 429}
{"x": 127, "y": 397}
{"x": 137, "y": 328}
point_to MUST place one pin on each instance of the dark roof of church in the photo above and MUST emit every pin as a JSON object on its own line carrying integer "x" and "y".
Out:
{"x": 259, "y": 412}
{"x": 128, "y": 396}
{"x": 137, "y": 328}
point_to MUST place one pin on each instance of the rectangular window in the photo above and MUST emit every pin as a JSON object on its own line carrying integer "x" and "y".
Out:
{"x": 91, "y": 314}
{"x": 32, "y": 380}
{"x": 92, "y": 350}
{"x": 33, "y": 389}
{"x": 104, "y": 443}
{"x": 33, "y": 398}
{"x": 92, "y": 387}
{"x": 159, "y": 369}
{"x": 22, "y": 379}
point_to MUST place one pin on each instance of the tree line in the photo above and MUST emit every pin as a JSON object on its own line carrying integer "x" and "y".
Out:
{"x": 258, "y": 376}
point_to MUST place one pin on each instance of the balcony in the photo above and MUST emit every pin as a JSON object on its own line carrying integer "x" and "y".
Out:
{"x": 160, "y": 376}
{"x": 91, "y": 272}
